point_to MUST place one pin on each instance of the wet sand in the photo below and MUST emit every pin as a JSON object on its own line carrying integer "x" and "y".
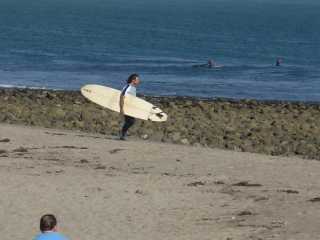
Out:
{"x": 101, "y": 188}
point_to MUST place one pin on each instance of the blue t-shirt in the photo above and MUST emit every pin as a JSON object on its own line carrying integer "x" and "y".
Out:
{"x": 50, "y": 236}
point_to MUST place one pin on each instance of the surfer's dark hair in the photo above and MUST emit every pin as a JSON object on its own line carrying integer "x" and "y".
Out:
{"x": 47, "y": 222}
{"x": 132, "y": 77}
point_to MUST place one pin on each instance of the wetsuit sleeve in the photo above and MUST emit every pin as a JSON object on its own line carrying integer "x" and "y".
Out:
{"x": 123, "y": 92}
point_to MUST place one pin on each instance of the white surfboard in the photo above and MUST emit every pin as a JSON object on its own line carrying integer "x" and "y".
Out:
{"x": 133, "y": 106}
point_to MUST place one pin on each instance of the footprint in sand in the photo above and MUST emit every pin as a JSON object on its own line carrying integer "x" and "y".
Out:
{"x": 262, "y": 198}
{"x": 52, "y": 159}
{"x": 55, "y": 134}
{"x": 196, "y": 184}
{"x": 20, "y": 150}
{"x": 100, "y": 167}
{"x": 2, "y": 151}
{"x": 245, "y": 213}
{"x": 83, "y": 161}
{"x": 168, "y": 174}
{"x": 246, "y": 184}
{"x": 69, "y": 147}
{"x": 116, "y": 150}
{"x": 219, "y": 182}
{"x": 289, "y": 191}
{"x": 5, "y": 140}
{"x": 316, "y": 199}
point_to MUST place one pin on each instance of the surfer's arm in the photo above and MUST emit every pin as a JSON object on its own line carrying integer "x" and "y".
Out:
{"x": 121, "y": 102}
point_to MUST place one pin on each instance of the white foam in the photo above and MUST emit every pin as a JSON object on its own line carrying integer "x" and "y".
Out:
{"x": 22, "y": 87}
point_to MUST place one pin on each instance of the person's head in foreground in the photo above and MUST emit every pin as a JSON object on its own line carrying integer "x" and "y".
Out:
{"x": 48, "y": 223}
{"x": 48, "y": 228}
{"x": 133, "y": 79}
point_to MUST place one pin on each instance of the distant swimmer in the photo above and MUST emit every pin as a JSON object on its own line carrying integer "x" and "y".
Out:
{"x": 278, "y": 62}
{"x": 209, "y": 64}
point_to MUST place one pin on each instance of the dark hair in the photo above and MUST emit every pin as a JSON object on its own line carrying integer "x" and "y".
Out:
{"x": 47, "y": 222}
{"x": 132, "y": 77}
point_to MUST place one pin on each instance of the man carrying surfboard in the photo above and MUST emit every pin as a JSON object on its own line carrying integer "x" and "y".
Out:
{"x": 130, "y": 88}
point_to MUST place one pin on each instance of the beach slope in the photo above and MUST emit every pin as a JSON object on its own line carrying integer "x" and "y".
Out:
{"x": 102, "y": 188}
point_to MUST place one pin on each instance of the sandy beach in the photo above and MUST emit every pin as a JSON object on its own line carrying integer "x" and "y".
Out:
{"x": 102, "y": 188}
{"x": 238, "y": 83}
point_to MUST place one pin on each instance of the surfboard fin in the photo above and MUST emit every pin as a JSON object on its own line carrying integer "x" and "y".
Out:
{"x": 160, "y": 115}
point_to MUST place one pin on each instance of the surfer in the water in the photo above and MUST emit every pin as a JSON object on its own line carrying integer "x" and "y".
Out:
{"x": 130, "y": 88}
{"x": 278, "y": 62}
{"x": 209, "y": 64}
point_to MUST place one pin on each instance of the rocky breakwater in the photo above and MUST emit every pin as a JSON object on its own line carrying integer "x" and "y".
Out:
{"x": 276, "y": 128}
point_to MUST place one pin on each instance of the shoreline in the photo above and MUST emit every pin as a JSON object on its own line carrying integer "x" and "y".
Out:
{"x": 178, "y": 97}
{"x": 270, "y": 127}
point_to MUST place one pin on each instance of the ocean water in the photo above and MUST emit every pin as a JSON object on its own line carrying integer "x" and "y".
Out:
{"x": 64, "y": 44}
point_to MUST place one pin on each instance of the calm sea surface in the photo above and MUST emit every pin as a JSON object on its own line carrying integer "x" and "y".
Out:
{"x": 64, "y": 44}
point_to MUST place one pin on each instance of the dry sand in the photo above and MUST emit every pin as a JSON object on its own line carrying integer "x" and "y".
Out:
{"x": 101, "y": 188}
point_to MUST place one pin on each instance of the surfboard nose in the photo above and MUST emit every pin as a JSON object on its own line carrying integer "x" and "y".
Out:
{"x": 86, "y": 90}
